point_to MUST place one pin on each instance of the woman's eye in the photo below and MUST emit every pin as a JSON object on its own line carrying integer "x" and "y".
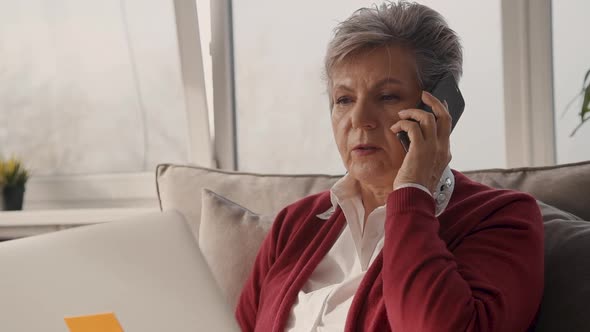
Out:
{"x": 388, "y": 97}
{"x": 343, "y": 100}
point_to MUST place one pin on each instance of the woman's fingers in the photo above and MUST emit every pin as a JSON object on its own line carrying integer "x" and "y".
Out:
{"x": 443, "y": 122}
{"x": 429, "y": 134}
{"x": 440, "y": 110}
{"x": 412, "y": 128}
{"x": 426, "y": 120}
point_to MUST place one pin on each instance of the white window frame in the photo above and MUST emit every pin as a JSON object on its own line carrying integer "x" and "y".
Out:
{"x": 193, "y": 75}
{"x": 528, "y": 82}
{"x": 224, "y": 104}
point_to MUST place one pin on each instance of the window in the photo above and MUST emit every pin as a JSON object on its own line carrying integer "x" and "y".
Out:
{"x": 91, "y": 87}
{"x": 571, "y": 60}
{"x": 282, "y": 114}
{"x": 92, "y": 98}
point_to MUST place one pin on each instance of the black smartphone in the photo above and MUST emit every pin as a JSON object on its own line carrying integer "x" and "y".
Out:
{"x": 445, "y": 89}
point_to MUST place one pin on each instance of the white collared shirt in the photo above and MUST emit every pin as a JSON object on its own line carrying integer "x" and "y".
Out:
{"x": 323, "y": 302}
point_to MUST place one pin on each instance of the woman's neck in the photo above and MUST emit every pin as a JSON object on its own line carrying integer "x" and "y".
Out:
{"x": 374, "y": 196}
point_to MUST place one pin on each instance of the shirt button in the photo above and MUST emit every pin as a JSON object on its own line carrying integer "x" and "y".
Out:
{"x": 448, "y": 182}
{"x": 441, "y": 198}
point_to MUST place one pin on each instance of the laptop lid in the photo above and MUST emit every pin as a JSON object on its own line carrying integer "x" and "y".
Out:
{"x": 147, "y": 270}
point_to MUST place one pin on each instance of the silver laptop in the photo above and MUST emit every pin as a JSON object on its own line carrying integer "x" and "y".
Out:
{"x": 148, "y": 271}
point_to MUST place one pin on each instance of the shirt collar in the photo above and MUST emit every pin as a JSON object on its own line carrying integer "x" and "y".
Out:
{"x": 347, "y": 187}
{"x": 344, "y": 189}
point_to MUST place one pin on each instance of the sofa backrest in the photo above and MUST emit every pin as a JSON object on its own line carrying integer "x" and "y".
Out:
{"x": 179, "y": 188}
{"x": 566, "y": 187}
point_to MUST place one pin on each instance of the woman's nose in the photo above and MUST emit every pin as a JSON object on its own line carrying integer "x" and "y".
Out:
{"x": 363, "y": 116}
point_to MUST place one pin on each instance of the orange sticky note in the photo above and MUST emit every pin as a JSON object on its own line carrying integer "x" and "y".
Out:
{"x": 94, "y": 323}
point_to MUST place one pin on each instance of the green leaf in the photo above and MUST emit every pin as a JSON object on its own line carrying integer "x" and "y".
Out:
{"x": 570, "y": 103}
{"x": 584, "y": 87}
{"x": 585, "y": 110}
{"x": 13, "y": 173}
{"x": 585, "y": 104}
{"x": 578, "y": 127}
{"x": 585, "y": 78}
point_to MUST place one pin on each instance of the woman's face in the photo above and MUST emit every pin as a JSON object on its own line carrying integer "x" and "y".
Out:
{"x": 368, "y": 90}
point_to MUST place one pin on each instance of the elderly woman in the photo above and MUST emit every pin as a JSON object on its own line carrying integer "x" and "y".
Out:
{"x": 378, "y": 252}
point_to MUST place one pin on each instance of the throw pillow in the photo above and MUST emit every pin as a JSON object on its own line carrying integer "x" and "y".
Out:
{"x": 229, "y": 237}
{"x": 567, "y": 272}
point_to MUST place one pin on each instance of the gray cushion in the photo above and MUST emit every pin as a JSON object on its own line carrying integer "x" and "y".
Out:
{"x": 566, "y": 300}
{"x": 229, "y": 238}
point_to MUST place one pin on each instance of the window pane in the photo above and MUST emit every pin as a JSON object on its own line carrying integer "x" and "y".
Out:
{"x": 91, "y": 86}
{"x": 571, "y": 60}
{"x": 283, "y": 120}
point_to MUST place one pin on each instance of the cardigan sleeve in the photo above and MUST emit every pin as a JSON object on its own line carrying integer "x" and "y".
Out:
{"x": 248, "y": 302}
{"x": 492, "y": 280}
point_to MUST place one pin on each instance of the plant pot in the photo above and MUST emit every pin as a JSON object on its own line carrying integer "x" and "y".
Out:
{"x": 13, "y": 197}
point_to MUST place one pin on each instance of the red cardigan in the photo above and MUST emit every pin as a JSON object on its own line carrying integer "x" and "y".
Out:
{"x": 477, "y": 267}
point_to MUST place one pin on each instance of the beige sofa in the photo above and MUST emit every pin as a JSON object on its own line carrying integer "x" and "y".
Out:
{"x": 230, "y": 213}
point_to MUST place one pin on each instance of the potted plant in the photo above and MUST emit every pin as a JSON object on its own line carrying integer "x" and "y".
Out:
{"x": 13, "y": 177}
{"x": 585, "y": 109}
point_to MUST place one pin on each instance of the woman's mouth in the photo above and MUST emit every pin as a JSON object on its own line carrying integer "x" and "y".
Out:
{"x": 365, "y": 149}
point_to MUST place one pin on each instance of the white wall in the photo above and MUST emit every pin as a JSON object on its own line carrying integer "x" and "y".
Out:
{"x": 69, "y": 102}
{"x": 571, "y": 60}
{"x": 283, "y": 122}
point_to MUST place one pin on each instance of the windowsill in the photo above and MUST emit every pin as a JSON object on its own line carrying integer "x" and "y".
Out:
{"x": 16, "y": 224}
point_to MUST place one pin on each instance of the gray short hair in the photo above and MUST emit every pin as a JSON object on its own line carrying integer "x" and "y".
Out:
{"x": 436, "y": 46}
